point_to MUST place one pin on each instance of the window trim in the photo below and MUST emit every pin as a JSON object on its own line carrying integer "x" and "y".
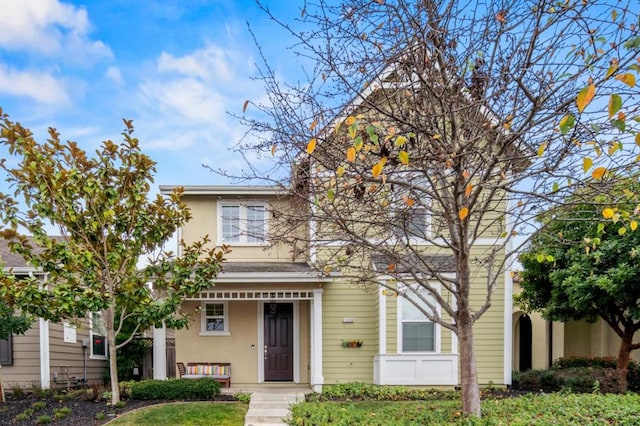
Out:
{"x": 93, "y": 332}
{"x": 437, "y": 328}
{"x": 243, "y": 205}
{"x": 225, "y": 319}
{"x": 9, "y": 343}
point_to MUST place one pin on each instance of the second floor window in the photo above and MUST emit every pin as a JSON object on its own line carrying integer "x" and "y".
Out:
{"x": 243, "y": 222}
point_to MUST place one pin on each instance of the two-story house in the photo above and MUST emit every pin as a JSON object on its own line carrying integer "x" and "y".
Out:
{"x": 276, "y": 319}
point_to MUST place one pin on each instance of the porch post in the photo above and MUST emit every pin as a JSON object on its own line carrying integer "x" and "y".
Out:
{"x": 382, "y": 321}
{"x": 160, "y": 353}
{"x": 45, "y": 361}
{"x": 317, "y": 378}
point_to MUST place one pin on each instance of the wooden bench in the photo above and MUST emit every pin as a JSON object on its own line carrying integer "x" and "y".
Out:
{"x": 221, "y": 371}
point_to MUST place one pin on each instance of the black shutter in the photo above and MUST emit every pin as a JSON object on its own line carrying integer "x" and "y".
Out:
{"x": 6, "y": 351}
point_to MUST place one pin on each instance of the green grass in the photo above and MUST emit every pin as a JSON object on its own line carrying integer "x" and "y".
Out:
{"x": 552, "y": 409}
{"x": 189, "y": 413}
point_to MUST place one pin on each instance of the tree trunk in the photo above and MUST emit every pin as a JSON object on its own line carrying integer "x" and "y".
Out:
{"x": 624, "y": 355}
{"x": 113, "y": 366}
{"x": 468, "y": 371}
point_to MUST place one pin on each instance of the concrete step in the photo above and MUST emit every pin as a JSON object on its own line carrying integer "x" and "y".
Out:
{"x": 262, "y": 416}
{"x": 270, "y": 404}
{"x": 290, "y": 397}
{"x": 265, "y": 424}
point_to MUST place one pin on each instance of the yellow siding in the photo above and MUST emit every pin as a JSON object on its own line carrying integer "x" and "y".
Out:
{"x": 241, "y": 347}
{"x": 341, "y": 300}
{"x": 204, "y": 210}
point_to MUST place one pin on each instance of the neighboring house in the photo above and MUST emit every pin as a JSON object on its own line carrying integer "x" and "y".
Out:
{"x": 538, "y": 342}
{"x": 50, "y": 354}
{"x": 277, "y": 320}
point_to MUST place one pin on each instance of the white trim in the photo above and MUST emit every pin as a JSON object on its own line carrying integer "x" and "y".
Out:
{"x": 508, "y": 308}
{"x": 242, "y": 220}
{"x": 225, "y": 319}
{"x": 437, "y": 242}
{"x": 382, "y": 320}
{"x": 260, "y": 310}
{"x": 224, "y": 295}
{"x": 224, "y": 190}
{"x": 271, "y": 277}
{"x": 45, "y": 361}
{"x": 97, "y": 332}
{"x": 296, "y": 339}
{"x": 437, "y": 338}
{"x": 160, "y": 353}
{"x": 317, "y": 377}
{"x": 416, "y": 369}
{"x": 296, "y": 342}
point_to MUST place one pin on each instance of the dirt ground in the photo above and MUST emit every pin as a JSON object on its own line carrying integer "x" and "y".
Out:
{"x": 79, "y": 411}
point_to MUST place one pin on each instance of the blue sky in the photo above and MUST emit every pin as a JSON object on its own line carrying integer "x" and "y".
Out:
{"x": 176, "y": 67}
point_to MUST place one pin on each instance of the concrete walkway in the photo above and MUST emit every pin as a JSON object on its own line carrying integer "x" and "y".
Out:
{"x": 270, "y": 404}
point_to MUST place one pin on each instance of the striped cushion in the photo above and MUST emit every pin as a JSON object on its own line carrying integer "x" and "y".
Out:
{"x": 208, "y": 370}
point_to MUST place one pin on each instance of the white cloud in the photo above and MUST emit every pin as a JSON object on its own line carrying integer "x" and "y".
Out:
{"x": 209, "y": 63}
{"x": 49, "y": 27}
{"x": 114, "y": 74}
{"x": 39, "y": 86}
{"x": 186, "y": 98}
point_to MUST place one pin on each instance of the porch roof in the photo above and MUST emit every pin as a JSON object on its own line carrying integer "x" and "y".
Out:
{"x": 435, "y": 262}
{"x": 269, "y": 272}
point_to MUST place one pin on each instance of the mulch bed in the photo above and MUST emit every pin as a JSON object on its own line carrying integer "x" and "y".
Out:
{"x": 82, "y": 412}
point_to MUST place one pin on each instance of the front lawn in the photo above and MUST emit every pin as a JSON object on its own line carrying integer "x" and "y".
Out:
{"x": 534, "y": 409}
{"x": 187, "y": 414}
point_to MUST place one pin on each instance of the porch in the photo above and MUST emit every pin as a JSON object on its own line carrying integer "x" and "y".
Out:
{"x": 267, "y": 324}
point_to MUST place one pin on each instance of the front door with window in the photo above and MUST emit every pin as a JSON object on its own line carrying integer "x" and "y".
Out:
{"x": 278, "y": 341}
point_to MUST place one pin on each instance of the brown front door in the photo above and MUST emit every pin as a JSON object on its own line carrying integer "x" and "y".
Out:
{"x": 278, "y": 341}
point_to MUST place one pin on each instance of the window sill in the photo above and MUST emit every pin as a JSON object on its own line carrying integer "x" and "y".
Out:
{"x": 242, "y": 244}
{"x": 98, "y": 357}
{"x": 214, "y": 333}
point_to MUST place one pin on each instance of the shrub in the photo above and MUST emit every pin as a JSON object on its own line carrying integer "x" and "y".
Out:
{"x": 177, "y": 389}
{"x": 17, "y": 392}
{"x": 571, "y": 379}
{"x": 537, "y": 380}
{"x": 356, "y": 391}
{"x": 633, "y": 372}
{"x": 44, "y": 419}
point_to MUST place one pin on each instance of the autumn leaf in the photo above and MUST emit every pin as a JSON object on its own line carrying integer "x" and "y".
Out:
{"x": 615, "y": 103}
{"x": 468, "y": 190}
{"x": 607, "y": 213}
{"x": 567, "y": 124}
{"x": 313, "y": 125}
{"x": 628, "y": 79}
{"x": 340, "y": 171}
{"x": 598, "y": 173}
{"x": 351, "y": 154}
{"x": 501, "y": 16}
{"x": 273, "y": 150}
{"x": 376, "y": 170}
{"x": 350, "y": 120}
{"x": 613, "y": 68}
{"x": 400, "y": 141}
{"x": 542, "y": 148}
{"x": 463, "y": 213}
{"x": 436, "y": 137}
{"x": 585, "y": 96}
{"x": 586, "y": 163}
{"x": 466, "y": 174}
{"x": 391, "y": 267}
{"x": 637, "y": 139}
{"x": 408, "y": 201}
{"x": 403, "y": 156}
{"x": 311, "y": 146}
{"x": 245, "y": 105}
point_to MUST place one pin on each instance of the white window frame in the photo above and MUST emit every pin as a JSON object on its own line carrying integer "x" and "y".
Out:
{"x": 94, "y": 330}
{"x": 437, "y": 332}
{"x": 243, "y": 223}
{"x": 225, "y": 318}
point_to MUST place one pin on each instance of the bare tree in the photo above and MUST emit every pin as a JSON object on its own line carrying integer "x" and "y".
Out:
{"x": 425, "y": 127}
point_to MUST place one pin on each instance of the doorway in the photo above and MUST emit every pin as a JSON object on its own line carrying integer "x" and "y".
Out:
{"x": 278, "y": 342}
